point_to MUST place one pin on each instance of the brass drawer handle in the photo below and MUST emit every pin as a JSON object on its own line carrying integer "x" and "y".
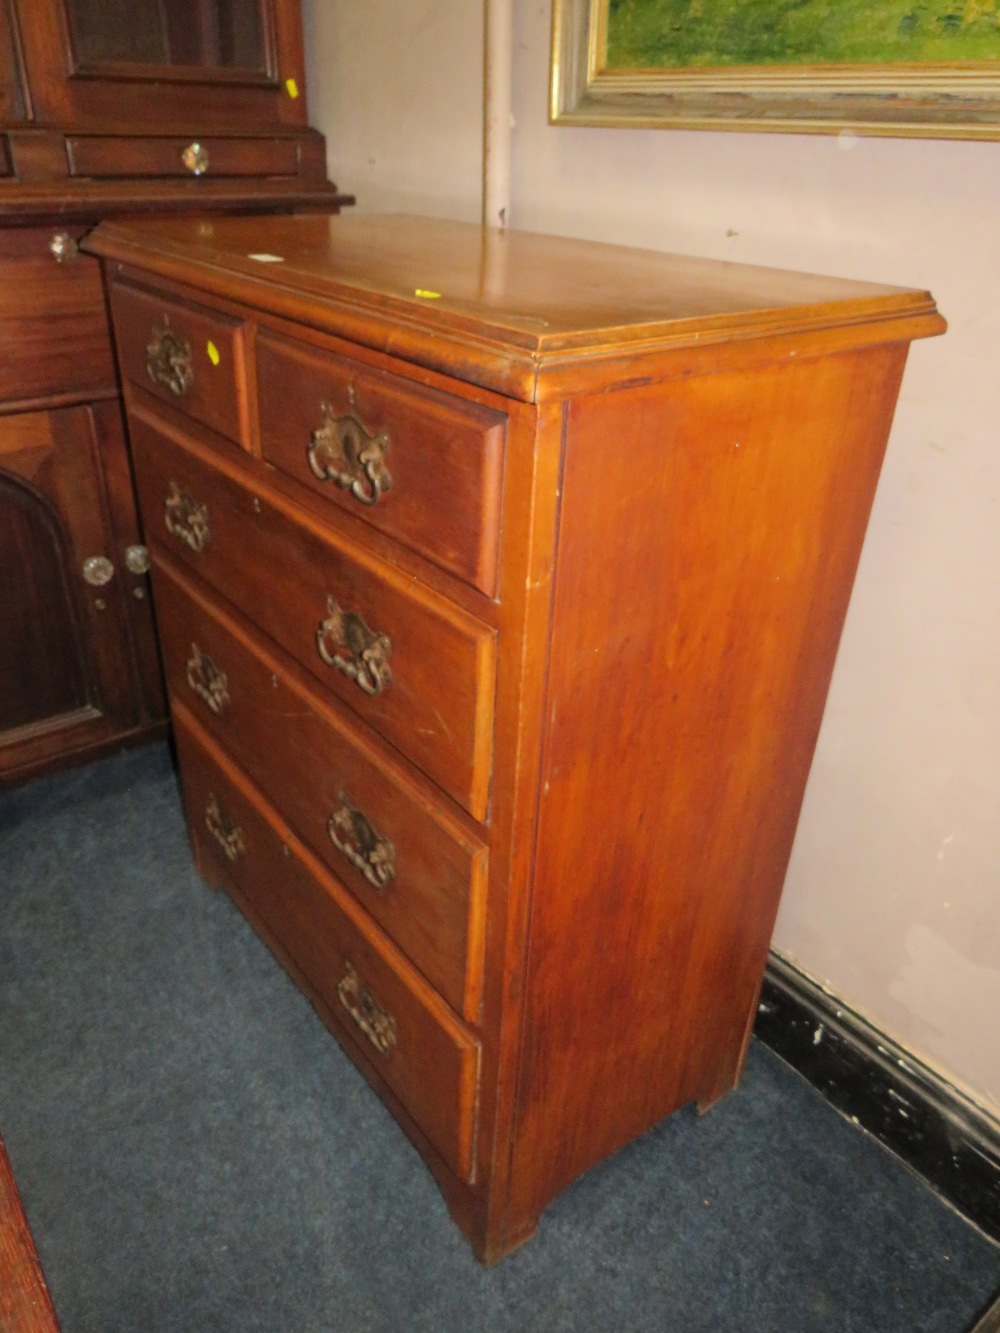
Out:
{"x": 343, "y": 451}
{"x": 376, "y": 1023}
{"x": 353, "y": 835}
{"x": 225, "y": 832}
{"x": 186, "y": 518}
{"x": 208, "y": 682}
{"x": 168, "y": 359}
{"x": 346, "y": 643}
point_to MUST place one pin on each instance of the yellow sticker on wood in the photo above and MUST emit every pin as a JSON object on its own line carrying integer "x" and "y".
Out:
{"x": 293, "y": 88}
{"x": 213, "y": 353}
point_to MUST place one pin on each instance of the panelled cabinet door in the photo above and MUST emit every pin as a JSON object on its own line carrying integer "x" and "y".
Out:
{"x": 75, "y": 642}
{"x": 222, "y": 64}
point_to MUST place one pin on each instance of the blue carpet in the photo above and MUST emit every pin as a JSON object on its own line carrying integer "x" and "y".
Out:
{"x": 195, "y": 1153}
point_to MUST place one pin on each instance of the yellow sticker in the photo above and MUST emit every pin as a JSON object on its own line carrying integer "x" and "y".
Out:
{"x": 213, "y": 353}
{"x": 428, "y": 296}
{"x": 293, "y": 88}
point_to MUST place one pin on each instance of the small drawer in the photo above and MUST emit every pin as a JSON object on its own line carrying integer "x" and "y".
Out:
{"x": 192, "y": 358}
{"x": 120, "y": 156}
{"x": 409, "y": 863}
{"x": 54, "y": 336}
{"x": 412, "y": 665}
{"x": 380, "y": 1007}
{"x": 420, "y": 465}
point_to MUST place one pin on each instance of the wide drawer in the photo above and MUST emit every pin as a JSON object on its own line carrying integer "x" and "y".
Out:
{"x": 414, "y": 666}
{"x": 408, "y": 862}
{"x": 192, "y": 358}
{"x": 423, "y": 466}
{"x": 380, "y": 1007}
{"x": 120, "y": 156}
{"x": 54, "y": 334}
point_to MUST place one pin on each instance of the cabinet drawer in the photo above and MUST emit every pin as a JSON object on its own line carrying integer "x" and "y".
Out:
{"x": 192, "y": 358}
{"x": 54, "y": 334}
{"x": 421, "y": 465}
{"x": 409, "y": 864}
{"x": 380, "y": 1007}
{"x": 119, "y": 156}
{"x": 414, "y": 666}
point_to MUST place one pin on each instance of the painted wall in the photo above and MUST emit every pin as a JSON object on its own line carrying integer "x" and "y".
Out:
{"x": 893, "y": 895}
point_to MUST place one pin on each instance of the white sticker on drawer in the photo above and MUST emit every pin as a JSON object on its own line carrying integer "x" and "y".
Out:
{"x": 268, "y": 259}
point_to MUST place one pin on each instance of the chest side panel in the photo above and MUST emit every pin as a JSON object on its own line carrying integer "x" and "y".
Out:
{"x": 709, "y": 535}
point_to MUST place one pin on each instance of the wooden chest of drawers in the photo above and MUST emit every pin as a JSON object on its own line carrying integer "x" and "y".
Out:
{"x": 499, "y": 580}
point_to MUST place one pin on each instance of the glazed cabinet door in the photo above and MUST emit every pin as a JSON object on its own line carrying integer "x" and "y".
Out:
{"x": 11, "y": 100}
{"x": 157, "y": 64}
{"x": 77, "y": 659}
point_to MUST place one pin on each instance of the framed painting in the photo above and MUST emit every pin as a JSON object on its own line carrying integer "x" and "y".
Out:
{"x": 927, "y": 68}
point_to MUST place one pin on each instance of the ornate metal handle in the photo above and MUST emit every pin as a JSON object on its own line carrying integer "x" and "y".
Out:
{"x": 353, "y": 834}
{"x": 186, "y": 518}
{"x": 343, "y": 451}
{"x": 227, "y": 834}
{"x": 376, "y": 1023}
{"x": 345, "y": 642}
{"x": 168, "y": 359}
{"x": 208, "y": 682}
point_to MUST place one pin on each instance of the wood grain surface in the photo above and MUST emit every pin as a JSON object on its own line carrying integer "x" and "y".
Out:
{"x": 25, "y": 1304}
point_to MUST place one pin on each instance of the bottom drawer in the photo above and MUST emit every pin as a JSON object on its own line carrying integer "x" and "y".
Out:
{"x": 379, "y": 1004}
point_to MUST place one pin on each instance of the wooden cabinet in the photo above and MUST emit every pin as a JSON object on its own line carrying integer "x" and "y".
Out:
{"x": 499, "y": 580}
{"x": 109, "y": 109}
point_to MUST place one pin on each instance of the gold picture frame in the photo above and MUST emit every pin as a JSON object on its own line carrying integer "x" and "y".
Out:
{"x": 930, "y": 100}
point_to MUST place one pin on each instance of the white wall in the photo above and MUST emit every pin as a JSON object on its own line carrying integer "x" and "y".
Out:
{"x": 397, "y": 87}
{"x": 893, "y": 896}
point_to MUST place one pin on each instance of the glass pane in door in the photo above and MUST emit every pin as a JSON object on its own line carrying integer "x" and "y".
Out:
{"x": 211, "y": 34}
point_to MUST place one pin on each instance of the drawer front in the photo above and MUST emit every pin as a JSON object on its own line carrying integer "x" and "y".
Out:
{"x": 380, "y": 1008}
{"x": 421, "y": 465}
{"x": 192, "y": 358}
{"x": 54, "y": 334}
{"x": 410, "y": 865}
{"x": 419, "y": 670}
{"x": 119, "y": 156}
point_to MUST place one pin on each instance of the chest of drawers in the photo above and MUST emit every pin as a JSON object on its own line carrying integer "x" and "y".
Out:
{"x": 499, "y": 580}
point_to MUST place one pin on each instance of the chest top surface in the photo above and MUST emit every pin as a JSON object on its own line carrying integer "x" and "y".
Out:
{"x": 516, "y": 302}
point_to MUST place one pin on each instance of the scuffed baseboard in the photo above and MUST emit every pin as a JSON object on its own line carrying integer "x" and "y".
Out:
{"x": 915, "y": 1113}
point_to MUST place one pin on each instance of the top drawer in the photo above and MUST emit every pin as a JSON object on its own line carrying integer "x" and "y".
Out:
{"x": 192, "y": 358}
{"x": 119, "y": 156}
{"x": 422, "y": 466}
{"x": 54, "y": 335}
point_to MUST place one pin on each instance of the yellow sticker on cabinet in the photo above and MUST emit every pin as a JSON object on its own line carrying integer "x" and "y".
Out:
{"x": 427, "y": 296}
{"x": 213, "y": 353}
{"x": 293, "y": 88}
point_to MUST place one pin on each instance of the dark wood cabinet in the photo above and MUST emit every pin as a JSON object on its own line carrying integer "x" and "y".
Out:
{"x": 500, "y": 579}
{"x": 108, "y": 109}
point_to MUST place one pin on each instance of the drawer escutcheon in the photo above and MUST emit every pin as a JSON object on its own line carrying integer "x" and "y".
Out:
{"x": 186, "y": 518}
{"x": 226, "y": 833}
{"x": 345, "y": 642}
{"x": 376, "y": 1023}
{"x": 168, "y": 359}
{"x": 344, "y": 451}
{"x": 209, "y": 683}
{"x": 354, "y": 836}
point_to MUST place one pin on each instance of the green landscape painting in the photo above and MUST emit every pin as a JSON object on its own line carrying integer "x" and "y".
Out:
{"x": 670, "y": 34}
